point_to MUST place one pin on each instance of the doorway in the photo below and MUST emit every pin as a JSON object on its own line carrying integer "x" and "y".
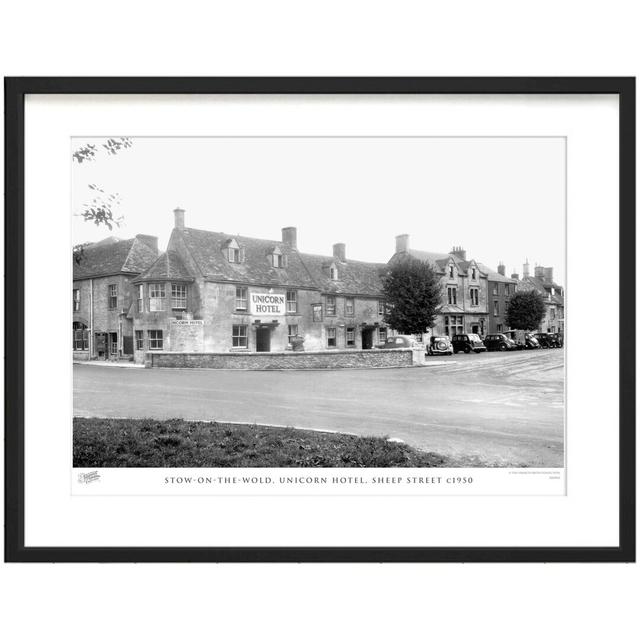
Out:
{"x": 367, "y": 338}
{"x": 263, "y": 339}
{"x": 101, "y": 345}
{"x": 475, "y": 329}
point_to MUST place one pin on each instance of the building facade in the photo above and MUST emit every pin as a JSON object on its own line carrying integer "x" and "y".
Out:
{"x": 501, "y": 288}
{"x": 212, "y": 292}
{"x": 464, "y": 289}
{"x": 553, "y": 294}
{"x": 102, "y": 295}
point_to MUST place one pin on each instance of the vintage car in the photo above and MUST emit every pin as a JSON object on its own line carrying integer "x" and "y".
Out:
{"x": 499, "y": 342}
{"x": 401, "y": 342}
{"x": 467, "y": 342}
{"x": 523, "y": 339}
{"x": 440, "y": 346}
{"x": 549, "y": 340}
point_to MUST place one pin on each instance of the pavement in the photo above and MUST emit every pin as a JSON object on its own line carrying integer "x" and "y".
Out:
{"x": 493, "y": 408}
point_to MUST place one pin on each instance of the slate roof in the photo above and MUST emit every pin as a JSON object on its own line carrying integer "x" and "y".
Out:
{"x": 494, "y": 276}
{"x": 113, "y": 257}
{"x": 440, "y": 260}
{"x": 354, "y": 277}
{"x": 207, "y": 248}
{"x": 168, "y": 266}
{"x": 544, "y": 288}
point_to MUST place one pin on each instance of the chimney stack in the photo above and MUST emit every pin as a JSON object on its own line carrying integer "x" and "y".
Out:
{"x": 539, "y": 272}
{"x": 179, "y": 218}
{"x": 515, "y": 276}
{"x": 340, "y": 251}
{"x": 402, "y": 243}
{"x": 459, "y": 252}
{"x": 525, "y": 269}
{"x": 290, "y": 237}
{"x": 501, "y": 269}
{"x": 548, "y": 274}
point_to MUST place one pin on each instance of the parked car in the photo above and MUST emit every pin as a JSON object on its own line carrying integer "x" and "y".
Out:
{"x": 549, "y": 340}
{"x": 499, "y": 342}
{"x": 467, "y": 342}
{"x": 402, "y": 342}
{"x": 523, "y": 339}
{"x": 440, "y": 346}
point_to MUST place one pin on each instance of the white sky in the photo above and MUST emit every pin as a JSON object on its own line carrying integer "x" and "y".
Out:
{"x": 502, "y": 199}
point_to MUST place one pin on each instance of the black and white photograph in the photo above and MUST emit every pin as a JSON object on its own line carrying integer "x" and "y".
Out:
{"x": 318, "y": 302}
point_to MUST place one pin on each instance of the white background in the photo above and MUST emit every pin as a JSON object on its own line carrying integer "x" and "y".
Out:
{"x": 55, "y": 518}
{"x": 329, "y": 38}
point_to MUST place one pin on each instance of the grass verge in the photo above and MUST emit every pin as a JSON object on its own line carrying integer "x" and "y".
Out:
{"x": 101, "y": 442}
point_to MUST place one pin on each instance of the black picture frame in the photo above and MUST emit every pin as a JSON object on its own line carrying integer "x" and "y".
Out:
{"x": 15, "y": 91}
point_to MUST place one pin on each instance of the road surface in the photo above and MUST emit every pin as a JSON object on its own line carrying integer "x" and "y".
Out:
{"x": 494, "y": 408}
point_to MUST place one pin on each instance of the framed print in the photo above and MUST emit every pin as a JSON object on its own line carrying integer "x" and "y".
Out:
{"x": 320, "y": 319}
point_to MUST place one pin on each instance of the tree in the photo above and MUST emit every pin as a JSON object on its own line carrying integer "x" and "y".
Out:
{"x": 101, "y": 208}
{"x": 526, "y": 310}
{"x": 413, "y": 295}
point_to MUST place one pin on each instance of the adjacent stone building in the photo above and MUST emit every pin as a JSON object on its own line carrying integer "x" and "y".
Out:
{"x": 501, "y": 288}
{"x": 102, "y": 295}
{"x": 464, "y": 289}
{"x": 553, "y": 294}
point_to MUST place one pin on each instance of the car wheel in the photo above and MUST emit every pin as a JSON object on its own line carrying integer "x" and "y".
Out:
{"x": 503, "y": 347}
{"x": 467, "y": 350}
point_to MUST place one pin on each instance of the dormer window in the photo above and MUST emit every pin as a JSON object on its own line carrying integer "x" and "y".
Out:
{"x": 473, "y": 273}
{"x": 451, "y": 271}
{"x": 333, "y": 272}
{"x": 234, "y": 252}
{"x": 277, "y": 259}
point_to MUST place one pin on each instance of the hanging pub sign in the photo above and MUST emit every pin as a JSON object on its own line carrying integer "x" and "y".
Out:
{"x": 268, "y": 304}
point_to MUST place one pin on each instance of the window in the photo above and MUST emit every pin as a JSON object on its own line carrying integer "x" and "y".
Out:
{"x": 452, "y": 295}
{"x": 496, "y": 308}
{"x": 382, "y": 334}
{"x": 451, "y": 271}
{"x": 76, "y": 299}
{"x": 241, "y": 299}
{"x": 156, "y": 295}
{"x": 331, "y": 337}
{"x": 140, "y": 298}
{"x": 453, "y": 325}
{"x": 234, "y": 254}
{"x": 495, "y": 288}
{"x": 333, "y": 271}
{"x": 473, "y": 273}
{"x": 381, "y": 308}
{"x": 317, "y": 312}
{"x": 277, "y": 260}
{"x": 292, "y": 301}
{"x": 80, "y": 336}
{"x": 552, "y": 313}
{"x": 113, "y": 344}
{"x": 178, "y": 296}
{"x": 506, "y": 289}
{"x": 331, "y": 305}
{"x": 155, "y": 338}
{"x": 239, "y": 336}
{"x": 292, "y": 332}
{"x": 113, "y": 296}
{"x": 473, "y": 294}
{"x": 140, "y": 340}
{"x": 351, "y": 337}
{"x": 349, "y": 306}
{"x": 499, "y": 328}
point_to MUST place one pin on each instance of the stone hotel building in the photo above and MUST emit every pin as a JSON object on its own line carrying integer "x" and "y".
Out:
{"x": 214, "y": 292}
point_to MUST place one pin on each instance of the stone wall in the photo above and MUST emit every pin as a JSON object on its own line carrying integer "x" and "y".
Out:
{"x": 351, "y": 359}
